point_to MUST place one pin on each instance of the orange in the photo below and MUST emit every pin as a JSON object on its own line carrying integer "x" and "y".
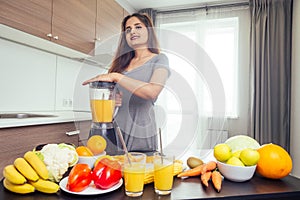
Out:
{"x": 275, "y": 162}
{"x": 84, "y": 151}
{"x": 96, "y": 144}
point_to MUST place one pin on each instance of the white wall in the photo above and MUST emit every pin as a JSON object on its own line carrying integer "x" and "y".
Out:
{"x": 35, "y": 80}
{"x": 26, "y": 78}
{"x": 295, "y": 109}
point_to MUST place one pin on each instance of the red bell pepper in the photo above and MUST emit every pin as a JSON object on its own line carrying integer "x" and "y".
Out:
{"x": 79, "y": 178}
{"x": 106, "y": 173}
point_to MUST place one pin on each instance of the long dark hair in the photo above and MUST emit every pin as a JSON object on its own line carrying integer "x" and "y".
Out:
{"x": 124, "y": 52}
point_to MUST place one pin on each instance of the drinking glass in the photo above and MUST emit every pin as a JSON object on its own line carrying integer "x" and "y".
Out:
{"x": 163, "y": 173}
{"x": 134, "y": 173}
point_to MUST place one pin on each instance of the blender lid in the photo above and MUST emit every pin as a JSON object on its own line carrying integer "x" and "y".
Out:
{"x": 102, "y": 84}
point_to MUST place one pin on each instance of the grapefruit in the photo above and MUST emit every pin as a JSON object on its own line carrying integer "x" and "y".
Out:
{"x": 97, "y": 144}
{"x": 275, "y": 162}
{"x": 240, "y": 142}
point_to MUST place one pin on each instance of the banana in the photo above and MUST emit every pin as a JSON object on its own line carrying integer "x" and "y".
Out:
{"x": 37, "y": 164}
{"x": 24, "y": 168}
{"x": 21, "y": 189}
{"x": 13, "y": 175}
{"x": 178, "y": 167}
{"x": 45, "y": 186}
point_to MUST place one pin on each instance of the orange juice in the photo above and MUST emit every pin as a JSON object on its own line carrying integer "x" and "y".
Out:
{"x": 134, "y": 177}
{"x": 102, "y": 110}
{"x": 163, "y": 176}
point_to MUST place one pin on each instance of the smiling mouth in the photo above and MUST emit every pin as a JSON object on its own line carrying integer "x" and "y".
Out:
{"x": 134, "y": 37}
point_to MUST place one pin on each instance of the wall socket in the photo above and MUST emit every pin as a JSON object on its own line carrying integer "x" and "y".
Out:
{"x": 67, "y": 103}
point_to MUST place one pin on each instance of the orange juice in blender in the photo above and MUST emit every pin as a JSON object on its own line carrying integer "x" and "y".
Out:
{"x": 102, "y": 110}
{"x": 102, "y": 102}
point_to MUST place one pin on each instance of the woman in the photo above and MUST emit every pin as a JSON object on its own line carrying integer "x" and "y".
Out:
{"x": 140, "y": 71}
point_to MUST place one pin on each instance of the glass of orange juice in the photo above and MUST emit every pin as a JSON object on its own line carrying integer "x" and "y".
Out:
{"x": 134, "y": 173}
{"x": 163, "y": 173}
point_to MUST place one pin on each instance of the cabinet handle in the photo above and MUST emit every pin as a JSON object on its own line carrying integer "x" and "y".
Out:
{"x": 73, "y": 132}
{"x": 49, "y": 35}
{"x": 55, "y": 37}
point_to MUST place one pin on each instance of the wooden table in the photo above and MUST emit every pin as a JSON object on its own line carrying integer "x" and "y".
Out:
{"x": 190, "y": 188}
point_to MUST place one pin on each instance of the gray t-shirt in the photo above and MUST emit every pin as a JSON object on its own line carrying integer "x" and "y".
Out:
{"x": 136, "y": 116}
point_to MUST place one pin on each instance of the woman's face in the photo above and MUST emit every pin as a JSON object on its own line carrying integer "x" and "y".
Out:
{"x": 136, "y": 33}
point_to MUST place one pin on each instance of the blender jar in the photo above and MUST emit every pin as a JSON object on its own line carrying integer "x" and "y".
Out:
{"x": 102, "y": 102}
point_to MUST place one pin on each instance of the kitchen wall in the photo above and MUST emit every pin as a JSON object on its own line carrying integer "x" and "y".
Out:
{"x": 295, "y": 109}
{"x": 35, "y": 80}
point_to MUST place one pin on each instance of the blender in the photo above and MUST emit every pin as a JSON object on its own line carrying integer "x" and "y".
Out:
{"x": 102, "y": 103}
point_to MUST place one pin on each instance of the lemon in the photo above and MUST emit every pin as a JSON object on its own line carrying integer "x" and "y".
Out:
{"x": 235, "y": 161}
{"x": 249, "y": 156}
{"x": 222, "y": 152}
{"x": 236, "y": 153}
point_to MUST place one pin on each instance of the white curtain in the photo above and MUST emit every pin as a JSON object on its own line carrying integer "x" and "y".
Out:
{"x": 206, "y": 48}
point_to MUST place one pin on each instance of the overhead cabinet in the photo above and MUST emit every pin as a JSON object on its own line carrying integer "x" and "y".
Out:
{"x": 75, "y": 24}
{"x": 31, "y": 16}
{"x": 109, "y": 17}
{"x": 70, "y": 23}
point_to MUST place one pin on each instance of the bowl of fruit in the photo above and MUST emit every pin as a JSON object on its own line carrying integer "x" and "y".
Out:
{"x": 237, "y": 158}
{"x": 92, "y": 151}
{"x": 236, "y": 173}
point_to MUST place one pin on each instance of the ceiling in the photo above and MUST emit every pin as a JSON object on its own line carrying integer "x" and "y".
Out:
{"x": 162, "y": 5}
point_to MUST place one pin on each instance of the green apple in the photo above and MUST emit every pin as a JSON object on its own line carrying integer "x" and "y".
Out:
{"x": 249, "y": 156}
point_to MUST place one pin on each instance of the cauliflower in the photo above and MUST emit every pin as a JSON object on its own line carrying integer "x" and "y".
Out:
{"x": 58, "y": 158}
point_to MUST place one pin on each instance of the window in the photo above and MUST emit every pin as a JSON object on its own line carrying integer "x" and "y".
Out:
{"x": 219, "y": 38}
{"x": 223, "y": 34}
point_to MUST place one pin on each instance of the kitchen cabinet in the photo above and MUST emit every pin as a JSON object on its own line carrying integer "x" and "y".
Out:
{"x": 70, "y": 23}
{"x": 109, "y": 17}
{"x": 73, "y": 22}
{"x": 16, "y": 141}
{"x": 30, "y": 16}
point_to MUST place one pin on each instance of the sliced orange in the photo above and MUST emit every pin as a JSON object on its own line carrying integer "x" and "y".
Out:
{"x": 84, "y": 151}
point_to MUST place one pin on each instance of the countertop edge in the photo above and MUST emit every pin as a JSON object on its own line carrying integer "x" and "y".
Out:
{"x": 60, "y": 117}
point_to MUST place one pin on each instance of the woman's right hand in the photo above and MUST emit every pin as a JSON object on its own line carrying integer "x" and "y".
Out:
{"x": 110, "y": 77}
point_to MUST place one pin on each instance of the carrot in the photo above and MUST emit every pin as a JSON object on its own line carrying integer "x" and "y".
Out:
{"x": 217, "y": 179}
{"x": 209, "y": 166}
{"x": 205, "y": 178}
{"x": 191, "y": 172}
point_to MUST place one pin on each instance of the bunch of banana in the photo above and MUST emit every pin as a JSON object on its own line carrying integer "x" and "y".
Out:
{"x": 177, "y": 168}
{"x": 27, "y": 174}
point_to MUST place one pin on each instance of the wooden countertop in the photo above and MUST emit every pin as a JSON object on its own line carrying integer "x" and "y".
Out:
{"x": 190, "y": 188}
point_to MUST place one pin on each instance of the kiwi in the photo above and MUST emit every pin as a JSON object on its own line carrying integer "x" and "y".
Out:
{"x": 193, "y": 162}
